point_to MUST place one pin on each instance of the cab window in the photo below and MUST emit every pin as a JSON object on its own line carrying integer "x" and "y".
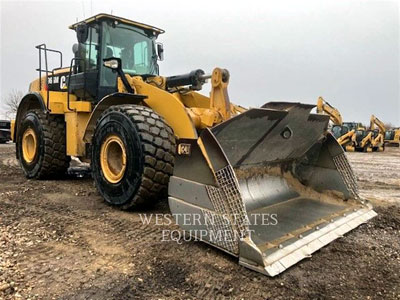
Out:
{"x": 133, "y": 46}
{"x": 90, "y": 48}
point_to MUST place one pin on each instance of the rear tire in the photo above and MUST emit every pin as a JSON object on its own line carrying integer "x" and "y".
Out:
{"x": 41, "y": 145}
{"x": 133, "y": 152}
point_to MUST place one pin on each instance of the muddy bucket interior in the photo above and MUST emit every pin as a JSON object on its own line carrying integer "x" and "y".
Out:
{"x": 274, "y": 218}
{"x": 271, "y": 182}
{"x": 289, "y": 221}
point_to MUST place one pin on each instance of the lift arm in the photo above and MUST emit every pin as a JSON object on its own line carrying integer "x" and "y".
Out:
{"x": 348, "y": 137}
{"x": 366, "y": 140}
{"x": 379, "y": 139}
{"x": 325, "y": 107}
{"x": 375, "y": 121}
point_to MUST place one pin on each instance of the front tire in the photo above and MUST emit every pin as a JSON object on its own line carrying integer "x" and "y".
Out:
{"x": 133, "y": 151}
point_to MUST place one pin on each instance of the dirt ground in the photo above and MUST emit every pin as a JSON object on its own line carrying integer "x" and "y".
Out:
{"x": 58, "y": 240}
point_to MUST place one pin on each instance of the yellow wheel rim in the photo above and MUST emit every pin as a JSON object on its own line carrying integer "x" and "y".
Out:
{"x": 29, "y": 143}
{"x": 113, "y": 158}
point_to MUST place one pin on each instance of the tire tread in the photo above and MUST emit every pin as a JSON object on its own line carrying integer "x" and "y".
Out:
{"x": 55, "y": 161}
{"x": 158, "y": 146}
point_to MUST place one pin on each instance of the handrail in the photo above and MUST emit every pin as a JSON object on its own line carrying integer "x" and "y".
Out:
{"x": 45, "y": 49}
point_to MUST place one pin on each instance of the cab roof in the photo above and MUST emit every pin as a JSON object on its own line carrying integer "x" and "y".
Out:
{"x": 102, "y": 16}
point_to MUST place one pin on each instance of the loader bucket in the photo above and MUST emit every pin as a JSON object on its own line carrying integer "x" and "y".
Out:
{"x": 270, "y": 186}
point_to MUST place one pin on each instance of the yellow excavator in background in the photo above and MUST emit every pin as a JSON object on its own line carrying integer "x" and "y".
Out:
{"x": 363, "y": 138}
{"x": 226, "y": 169}
{"x": 334, "y": 114}
{"x": 345, "y": 136}
{"x": 377, "y": 127}
{"x": 392, "y": 137}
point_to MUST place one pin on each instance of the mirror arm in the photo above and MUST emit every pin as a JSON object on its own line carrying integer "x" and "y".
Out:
{"x": 120, "y": 72}
{"x": 124, "y": 80}
{"x": 160, "y": 51}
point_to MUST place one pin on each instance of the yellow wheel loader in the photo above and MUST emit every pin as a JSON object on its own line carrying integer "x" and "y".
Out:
{"x": 346, "y": 137}
{"x": 392, "y": 137}
{"x": 268, "y": 185}
{"x": 377, "y": 127}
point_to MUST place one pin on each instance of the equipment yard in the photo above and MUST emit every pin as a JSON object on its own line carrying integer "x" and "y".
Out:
{"x": 59, "y": 240}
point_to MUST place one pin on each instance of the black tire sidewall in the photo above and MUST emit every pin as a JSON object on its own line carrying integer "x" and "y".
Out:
{"x": 32, "y": 169}
{"x": 121, "y": 125}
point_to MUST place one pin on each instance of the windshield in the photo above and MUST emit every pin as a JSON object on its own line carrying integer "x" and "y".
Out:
{"x": 361, "y": 134}
{"x": 133, "y": 46}
{"x": 351, "y": 125}
{"x": 337, "y": 131}
{"x": 389, "y": 135}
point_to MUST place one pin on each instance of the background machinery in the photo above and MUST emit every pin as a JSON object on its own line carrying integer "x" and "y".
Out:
{"x": 334, "y": 114}
{"x": 392, "y": 137}
{"x": 377, "y": 127}
{"x": 227, "y": 168}
{"x": 363, "y": 137}
{"x": 5, "y": 133}
{"x": 345, "y": 135}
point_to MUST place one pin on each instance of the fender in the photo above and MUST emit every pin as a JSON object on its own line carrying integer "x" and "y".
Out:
{"x": 106, "y": 102}
{"x": 32, "y": 100}
{"x": 167, "y": 105}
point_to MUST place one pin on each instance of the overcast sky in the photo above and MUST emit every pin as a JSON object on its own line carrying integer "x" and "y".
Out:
{"x": 346, "y": 51}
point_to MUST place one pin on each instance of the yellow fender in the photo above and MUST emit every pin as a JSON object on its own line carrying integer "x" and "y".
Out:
{"x": 167, "y": 105}
{"x": 106, "y": 102}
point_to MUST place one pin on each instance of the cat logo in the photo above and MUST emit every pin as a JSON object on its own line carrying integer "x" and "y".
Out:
{"x": 63, "y": 84}
{"x": 184, "y": 149}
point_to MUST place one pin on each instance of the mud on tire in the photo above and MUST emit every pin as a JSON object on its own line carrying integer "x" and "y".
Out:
{"x": 50, "y": 159}
{"x": 150, "y": 150}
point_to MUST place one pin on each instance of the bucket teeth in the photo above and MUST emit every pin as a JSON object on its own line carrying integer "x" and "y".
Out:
{"x": 270, "y": 186}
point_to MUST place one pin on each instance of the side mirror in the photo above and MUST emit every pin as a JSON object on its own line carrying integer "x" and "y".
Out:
{"x": 112, "y": 63}
{"x": 160, "y": 51}
{"x": 82, "y": 32}
{"x": 75, "y": 49}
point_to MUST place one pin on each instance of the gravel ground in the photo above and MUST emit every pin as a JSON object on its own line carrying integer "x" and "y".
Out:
{"x": 58, "y": 240}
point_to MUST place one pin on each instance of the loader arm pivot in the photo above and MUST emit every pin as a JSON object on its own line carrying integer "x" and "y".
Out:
{"x": 219, "y": 99}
